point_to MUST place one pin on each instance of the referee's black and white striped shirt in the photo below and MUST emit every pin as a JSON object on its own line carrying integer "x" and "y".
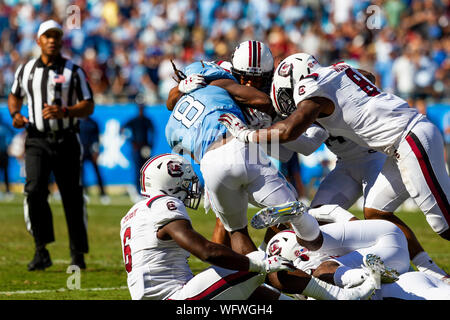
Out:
{"x": 63, "y": 83}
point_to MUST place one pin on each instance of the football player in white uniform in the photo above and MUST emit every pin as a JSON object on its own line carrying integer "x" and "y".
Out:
{"x": 351, "y": 240}
{"x": 355, "y": 173}
{"x": 345, "y": 271}
{"x": 157, "y": 238}
{"x": 347, "y": 104}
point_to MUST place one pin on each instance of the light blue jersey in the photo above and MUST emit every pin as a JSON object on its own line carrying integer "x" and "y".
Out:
{"x": 209, "y": 70}
{"x": 193, "y": 124}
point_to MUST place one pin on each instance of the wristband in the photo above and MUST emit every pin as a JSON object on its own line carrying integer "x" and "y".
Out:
{"x": 250, "y": 136}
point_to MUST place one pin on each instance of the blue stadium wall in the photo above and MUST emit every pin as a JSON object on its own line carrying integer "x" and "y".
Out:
{"x": 115, "y": 151}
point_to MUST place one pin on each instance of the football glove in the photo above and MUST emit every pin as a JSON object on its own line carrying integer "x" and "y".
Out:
{"x": 191, "y": 83}
{"x": 270, "y": 264}
{"x": 258, "y": 119}
{"x": 236, "y": 127}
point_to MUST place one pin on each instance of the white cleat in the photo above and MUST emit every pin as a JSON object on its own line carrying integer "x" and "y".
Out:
{"x": 375, "y": 265}
{"x": 377, "y": 273}
{"x": 271, "y": 216}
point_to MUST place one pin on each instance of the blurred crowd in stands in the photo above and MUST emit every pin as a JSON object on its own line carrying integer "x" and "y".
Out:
{"x": 125, "y": 46}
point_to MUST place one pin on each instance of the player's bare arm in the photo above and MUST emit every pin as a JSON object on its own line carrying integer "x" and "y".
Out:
{"x": 368, "y": 75}
{"x": 174, "y": 96}
{"x": 293, "y": 126}
{"x": 246, "y": 95}
{"x": 14, "y": 106}
{"x": 185, "y": 85}
{"x": 185, "y": 236}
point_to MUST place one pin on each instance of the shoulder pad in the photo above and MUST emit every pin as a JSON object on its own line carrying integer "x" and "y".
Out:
{"x": 314, "y": 76}
{"x": 150, "y": 202}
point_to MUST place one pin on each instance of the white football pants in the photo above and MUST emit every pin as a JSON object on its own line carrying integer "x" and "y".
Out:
{"x": 238, "y": 173}
{"x": 222, "y": 284}
{"x": 349, "y": 180}
{"x": 349, "y": 242}
{"x": 418, "y": 165}
{"x": 414, "y": 286}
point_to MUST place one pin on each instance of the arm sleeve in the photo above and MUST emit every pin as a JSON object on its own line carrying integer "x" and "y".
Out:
{"x": 309, "y": 141}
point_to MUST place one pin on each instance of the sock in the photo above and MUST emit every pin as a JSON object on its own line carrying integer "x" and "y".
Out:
{"x": 321, "y": 290}
{"x": 305, "y": 226}
{"x": 40, "y": 247}
{"x": 424, "y": 263}
{"x": 346, "y": 277}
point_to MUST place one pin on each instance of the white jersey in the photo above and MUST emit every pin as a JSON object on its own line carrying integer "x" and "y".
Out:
{"x": 362, "y": 113}
{"x": 146, "y": 257}
{"x": 345, "y": 149}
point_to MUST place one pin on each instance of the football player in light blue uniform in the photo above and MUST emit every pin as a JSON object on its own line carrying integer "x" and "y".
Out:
{"x": 193, "y": 125}
{"x": 234, "y": 173}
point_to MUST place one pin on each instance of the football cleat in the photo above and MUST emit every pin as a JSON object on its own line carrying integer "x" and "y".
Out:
{"x": 271, "y": 216}
{"x": 41, "y": 260}
{"x": 374, "y": 264}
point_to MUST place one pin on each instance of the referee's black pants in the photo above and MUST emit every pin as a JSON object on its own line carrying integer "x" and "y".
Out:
{"x": 62, "y": 155}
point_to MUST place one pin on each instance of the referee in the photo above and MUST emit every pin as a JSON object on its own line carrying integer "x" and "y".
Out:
{"x": 57, "y": 94}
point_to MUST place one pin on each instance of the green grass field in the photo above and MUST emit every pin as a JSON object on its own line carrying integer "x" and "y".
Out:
{"x": 105, "y": 276}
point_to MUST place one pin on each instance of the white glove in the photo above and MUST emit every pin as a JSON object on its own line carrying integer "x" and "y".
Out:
{"x": 270, "y": 264}
{"x": 236, "y": 127}
{"x": 191, "y": 83}
{"x": 258, "y": 119}
{"x": 310, "y": 261}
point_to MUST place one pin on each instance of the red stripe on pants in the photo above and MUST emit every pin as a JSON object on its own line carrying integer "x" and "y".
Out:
{"x": 220, "y": 285}
{"x": 425, "y": 168}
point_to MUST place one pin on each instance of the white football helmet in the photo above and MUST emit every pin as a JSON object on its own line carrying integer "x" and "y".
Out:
{"x": 285, "y": 244}
{"x": 288, "y": 73}
{"x": 225, "y": 65}
{"x": 252, "y": 59}
{"x": 173, "y": 175}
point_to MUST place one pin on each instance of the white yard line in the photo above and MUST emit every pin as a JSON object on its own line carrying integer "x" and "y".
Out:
{"x": 9, "y": 293}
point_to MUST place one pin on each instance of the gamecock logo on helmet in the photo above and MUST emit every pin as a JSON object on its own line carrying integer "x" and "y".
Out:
{"x": 301, "y": 90}
{"x": 174, "y": 169}
{"x": 275, "y": 248}
{"x": 285, "y": 69}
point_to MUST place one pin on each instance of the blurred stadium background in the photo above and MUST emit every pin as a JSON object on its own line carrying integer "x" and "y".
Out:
{"x": 125, "y": 47}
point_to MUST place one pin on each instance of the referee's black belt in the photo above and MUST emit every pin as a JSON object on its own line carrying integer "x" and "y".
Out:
{"x": 52, "y": 136}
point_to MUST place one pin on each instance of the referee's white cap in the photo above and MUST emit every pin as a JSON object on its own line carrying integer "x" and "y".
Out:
{"x": 49, "y": 25}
